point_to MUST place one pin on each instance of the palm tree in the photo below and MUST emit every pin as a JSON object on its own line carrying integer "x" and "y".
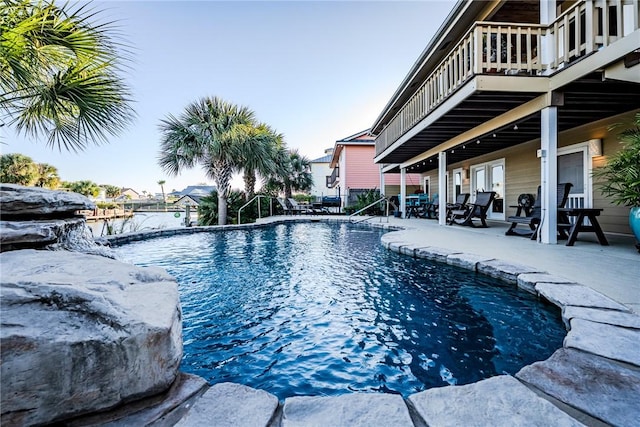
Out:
{"x": 208, "y": 207}
{"x": 18, "y": 169}
{"x": 48, "y": 176}
{"x": 161, "y": 183}
{"x": 60, "y": 73}
{"x": 209, "y": 132}
{"x": 258, "y": 154}
{"x": 86, "y": 188}
{"x": 293, "y": 174}
{"x": 111, "y": 191}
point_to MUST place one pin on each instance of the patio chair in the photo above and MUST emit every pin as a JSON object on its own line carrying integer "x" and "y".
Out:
{"x": 286, "y": 209}
{"x": 459, "y": 204}
{"x": 533, "y": 213}
{"x": 430, "y": 209}
{"x": 477, "y": 209}
{"x": 296, "y": 208}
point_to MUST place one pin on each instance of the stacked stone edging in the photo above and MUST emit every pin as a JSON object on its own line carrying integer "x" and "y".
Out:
{"x": 601, "y": 333}
{"x": 121, "y": 239}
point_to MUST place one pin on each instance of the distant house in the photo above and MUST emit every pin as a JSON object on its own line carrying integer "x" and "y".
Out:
{"x": 128, "y": 194}
{"x": 353, "y": 171}
{"x": 193, "y": 190}
{"x": 189, "y": 200}
{"x": 320, "y": 168}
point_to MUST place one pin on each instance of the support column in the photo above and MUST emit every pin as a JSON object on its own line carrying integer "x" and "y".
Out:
{"x": 442, "y": 187}
{"x": 382, "y": 184}
{"x": 548, "y": 231}
{"x": 548, "y": 52}
{"x": 403, "y": 192}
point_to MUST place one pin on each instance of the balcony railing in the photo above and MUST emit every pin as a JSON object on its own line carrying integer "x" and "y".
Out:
{"x": 516, "y": 49}
{"x": 333, "y": 178}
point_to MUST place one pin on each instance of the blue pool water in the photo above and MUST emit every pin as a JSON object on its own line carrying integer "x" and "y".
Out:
{"x": 324, "y": 309}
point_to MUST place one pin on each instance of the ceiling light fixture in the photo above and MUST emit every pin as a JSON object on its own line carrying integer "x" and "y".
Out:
{"x": 494, "y": 135}
{"x": 515, "y": 127}
{"x": 478, "y": 142}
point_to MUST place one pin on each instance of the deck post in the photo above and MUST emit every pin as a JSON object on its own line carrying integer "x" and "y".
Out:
{"x": 382, "y": 183}
{"x": 548, "y": 232}
{"x": 403, "y": 192}
{"x": 548, "y": 53}
{"x": 442, "y": 187}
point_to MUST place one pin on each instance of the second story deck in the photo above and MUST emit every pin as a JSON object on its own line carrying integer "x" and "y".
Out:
{"x": 498, "y": 67}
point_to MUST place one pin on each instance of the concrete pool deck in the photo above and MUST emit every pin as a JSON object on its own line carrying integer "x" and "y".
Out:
{"x": 594, "y": 379}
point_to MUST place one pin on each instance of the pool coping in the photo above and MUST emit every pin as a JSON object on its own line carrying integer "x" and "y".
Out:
{"x": 600, "y": 332}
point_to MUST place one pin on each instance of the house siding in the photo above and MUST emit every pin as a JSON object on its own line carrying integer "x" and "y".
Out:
{"x": 360, "y": 171}
{"x": 522, "y": 170}
{"x": 319, "y": 173}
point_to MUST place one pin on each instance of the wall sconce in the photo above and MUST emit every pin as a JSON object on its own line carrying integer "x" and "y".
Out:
{"x": 595, "y": 147}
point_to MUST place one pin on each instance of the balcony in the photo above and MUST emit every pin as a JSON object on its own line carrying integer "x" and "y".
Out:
{"x": 507, "y": 49}
{"x": 332, "y": 180}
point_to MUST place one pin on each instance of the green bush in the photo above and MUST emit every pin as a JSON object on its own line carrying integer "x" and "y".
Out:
{"x": 107, "y": 205}
{"x": 208, "y": 209}
{"x": 619, "y": 179}
{"x": 304, "y": 198}
{"x": 365, "y": 199}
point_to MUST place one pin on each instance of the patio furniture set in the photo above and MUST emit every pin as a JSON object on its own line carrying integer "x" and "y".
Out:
{"x": 528, "y": 213}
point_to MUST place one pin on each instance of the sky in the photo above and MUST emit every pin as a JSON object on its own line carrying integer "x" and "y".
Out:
{"x": 315, "y": 71}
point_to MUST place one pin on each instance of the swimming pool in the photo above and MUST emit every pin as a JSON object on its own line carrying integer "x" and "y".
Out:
{"x": 324, "y": 309}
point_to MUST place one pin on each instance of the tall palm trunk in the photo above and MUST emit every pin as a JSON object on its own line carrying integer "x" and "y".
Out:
{"x": 249, "y": 184}
{"x": 222, "y": 177}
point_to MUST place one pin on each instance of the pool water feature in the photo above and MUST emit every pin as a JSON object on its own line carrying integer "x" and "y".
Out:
{"x": 324, "y": 309}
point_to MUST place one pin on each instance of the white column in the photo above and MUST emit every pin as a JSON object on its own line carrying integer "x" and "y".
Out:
{"x": 547, "y": 11}
{"x": 548, "y": 232}
{"x": 403, "y": 192}
{"x": 547, "y": 16}
{"x": 442, "y": 187}
{"x": 382, "y": 190}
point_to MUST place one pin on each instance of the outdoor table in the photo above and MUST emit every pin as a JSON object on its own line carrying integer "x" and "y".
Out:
{"x": 412, "y": 206}
{"x": 580, "y": 214}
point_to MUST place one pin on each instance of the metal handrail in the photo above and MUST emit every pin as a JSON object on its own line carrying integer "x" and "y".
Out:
{"x": 372, "y": 204}
{"x": 257, "y": 196}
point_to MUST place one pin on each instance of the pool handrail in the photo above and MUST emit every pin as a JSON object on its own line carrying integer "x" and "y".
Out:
{"x": 257, "y": 196}
{"x": 372, "y": 204}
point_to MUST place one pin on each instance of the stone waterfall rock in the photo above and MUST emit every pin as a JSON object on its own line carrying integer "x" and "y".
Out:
{"x": 44, "y": 219}
{"x": 20, "y": 201}
{"x": 82, "y": 333}
{"x": 37, "y": 233}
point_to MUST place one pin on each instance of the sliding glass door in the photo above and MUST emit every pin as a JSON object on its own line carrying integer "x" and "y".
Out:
{"x": 490, "y": 177}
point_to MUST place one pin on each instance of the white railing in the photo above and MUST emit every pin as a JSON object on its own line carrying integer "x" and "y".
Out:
{"x": 258, "y": 197}
{"x": 358, "y": 212}
{"x": 516, "y": 49}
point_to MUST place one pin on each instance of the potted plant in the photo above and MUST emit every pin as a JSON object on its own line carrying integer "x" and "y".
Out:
{"x": 620, "y": 177}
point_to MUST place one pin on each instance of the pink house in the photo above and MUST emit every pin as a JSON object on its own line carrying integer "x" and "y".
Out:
{"x": 354, "y": 171}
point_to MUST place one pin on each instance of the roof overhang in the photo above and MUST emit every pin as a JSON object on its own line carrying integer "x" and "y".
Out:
{"x": 462, "y": 15}
{"x": 488, "y": 121}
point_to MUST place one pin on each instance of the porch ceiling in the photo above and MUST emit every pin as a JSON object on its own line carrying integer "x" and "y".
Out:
{"x": 585, "y": 100}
